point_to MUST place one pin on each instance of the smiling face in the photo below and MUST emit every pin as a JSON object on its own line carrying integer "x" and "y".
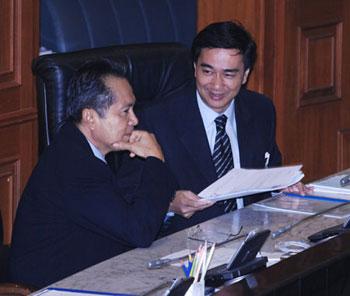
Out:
{"x": 219, "y": 76}
{"x": 118, "y": 121}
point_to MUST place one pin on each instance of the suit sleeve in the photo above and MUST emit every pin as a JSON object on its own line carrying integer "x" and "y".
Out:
{"x": 275, "y": 154}
{"x": 128, "y": 207}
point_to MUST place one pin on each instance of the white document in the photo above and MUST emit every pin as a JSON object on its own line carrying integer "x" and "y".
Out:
{"x": 242, "y": 182}
{"x": 331, "y": 185}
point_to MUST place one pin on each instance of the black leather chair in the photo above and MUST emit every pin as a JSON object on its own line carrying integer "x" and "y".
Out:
{"x": 155, "y": 70}
{"x": 70, "y": 25}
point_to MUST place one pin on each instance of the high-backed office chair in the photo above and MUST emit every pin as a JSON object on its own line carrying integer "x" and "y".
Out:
{"x": 70, "y": 25}
{"x": 154, "y": 70}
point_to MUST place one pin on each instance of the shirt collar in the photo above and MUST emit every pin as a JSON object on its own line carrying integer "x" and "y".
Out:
{"x": 209, "y": 115}
{"x": 97, "y": 152}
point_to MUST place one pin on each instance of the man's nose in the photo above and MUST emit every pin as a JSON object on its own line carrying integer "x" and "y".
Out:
{"x": 217, "y": 81}
{"x": 133, "y": 120}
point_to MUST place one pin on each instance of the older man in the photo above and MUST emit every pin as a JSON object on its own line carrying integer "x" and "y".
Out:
{"x": 75, "y": 211}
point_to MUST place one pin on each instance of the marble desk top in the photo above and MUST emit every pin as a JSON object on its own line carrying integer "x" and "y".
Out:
{"x": 128, "y": 273}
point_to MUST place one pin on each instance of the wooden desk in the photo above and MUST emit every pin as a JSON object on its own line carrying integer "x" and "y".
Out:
{"x": 323, "y": 269}
{"x": 127, "y": 273}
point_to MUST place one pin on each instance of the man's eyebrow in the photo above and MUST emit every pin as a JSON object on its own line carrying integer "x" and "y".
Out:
{"x": 206, "y": 65}
{"x": 233, "y": 70}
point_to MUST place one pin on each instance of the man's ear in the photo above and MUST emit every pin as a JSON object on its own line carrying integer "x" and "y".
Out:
{"x": 245, "y": 75}
{"x": 88, "y": 117}
{"x": 195, "y": 68}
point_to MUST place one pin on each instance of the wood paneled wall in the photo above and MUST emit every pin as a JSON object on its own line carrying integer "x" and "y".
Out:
{"x": 241, "y": 10}
{"x": 303, "y": 65}
{"x": 19, "y": 21}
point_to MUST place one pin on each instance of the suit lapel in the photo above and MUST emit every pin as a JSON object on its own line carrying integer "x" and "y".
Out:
{"x": 192, "y": 135}
{"x": 245, "y": 131}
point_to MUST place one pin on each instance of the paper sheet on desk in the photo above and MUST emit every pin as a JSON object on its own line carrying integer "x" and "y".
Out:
{"x": 331, "y": 185}
{"x": 242, "y": 182}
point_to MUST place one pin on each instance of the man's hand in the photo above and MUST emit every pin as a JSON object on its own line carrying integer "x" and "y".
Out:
{"x": 141, "y": 143}
{"x": 186, "y": 203}
{"x": 299, "y": 188}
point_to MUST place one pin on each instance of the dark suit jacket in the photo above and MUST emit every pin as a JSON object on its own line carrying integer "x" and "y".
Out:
{"x": 76, "y": 212}
{"x": 179, "y": 129}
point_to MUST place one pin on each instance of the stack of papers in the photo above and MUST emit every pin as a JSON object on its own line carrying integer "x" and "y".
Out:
{"x": 331, "y": 185}
{"x": 242, "y": 182}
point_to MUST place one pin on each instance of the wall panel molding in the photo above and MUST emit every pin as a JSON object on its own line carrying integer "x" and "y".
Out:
{"x": 343, "y": 155}
{"x": 19, "y": 43}
{"x": 9, "y": 184}
{"x": 10, "y": 43}
{"x": 320, "y": 64}
{"x": 18, "y": 117}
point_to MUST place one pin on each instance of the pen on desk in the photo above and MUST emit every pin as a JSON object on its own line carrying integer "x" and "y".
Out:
{"x": 345, "y": 181}
{"x": 194, "y": 263}
{"x": 186, "y": 267}
{"x": 175, "y": 283}
{"x": 190, "y": 257}
{"x": 161, "y": 262}
{"x": 158, "y": 263}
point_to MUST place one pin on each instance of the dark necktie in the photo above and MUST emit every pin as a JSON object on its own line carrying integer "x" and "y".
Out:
{"x": 222, "y": 155}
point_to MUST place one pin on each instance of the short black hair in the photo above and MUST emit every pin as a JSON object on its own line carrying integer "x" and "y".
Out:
{"x": 227, "y": 35}
{"x": 87, "y": 88}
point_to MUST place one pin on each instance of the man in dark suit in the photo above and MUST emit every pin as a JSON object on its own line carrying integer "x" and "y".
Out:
{"x": 75, "y": 211}
{"x": 186, "y": 128}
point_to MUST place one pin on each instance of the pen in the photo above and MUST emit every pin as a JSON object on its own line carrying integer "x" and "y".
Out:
{"x": 158, "y": 263}
{"x": 186, "y": 268}
{"x": 345, "y": 181}
{"x": 175, "y": 284}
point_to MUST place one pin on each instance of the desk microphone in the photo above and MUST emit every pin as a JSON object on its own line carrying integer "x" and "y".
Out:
{"x": 345, "y": 181}
{"x": 331, "y": 231}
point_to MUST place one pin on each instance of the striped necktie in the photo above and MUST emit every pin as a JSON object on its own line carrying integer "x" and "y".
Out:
{"x": 222, "y": 155}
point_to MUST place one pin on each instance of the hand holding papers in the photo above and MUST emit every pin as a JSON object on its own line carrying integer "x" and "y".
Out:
{"x": 242, "y": 182}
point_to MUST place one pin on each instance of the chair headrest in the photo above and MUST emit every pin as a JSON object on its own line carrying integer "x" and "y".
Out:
{"x": 69, "y": 25}
{"x": 155, "y": 70}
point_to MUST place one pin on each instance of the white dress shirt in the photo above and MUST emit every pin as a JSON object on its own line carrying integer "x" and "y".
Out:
{"x": 97, "y": 152}
{"x": 208, "y": 116}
